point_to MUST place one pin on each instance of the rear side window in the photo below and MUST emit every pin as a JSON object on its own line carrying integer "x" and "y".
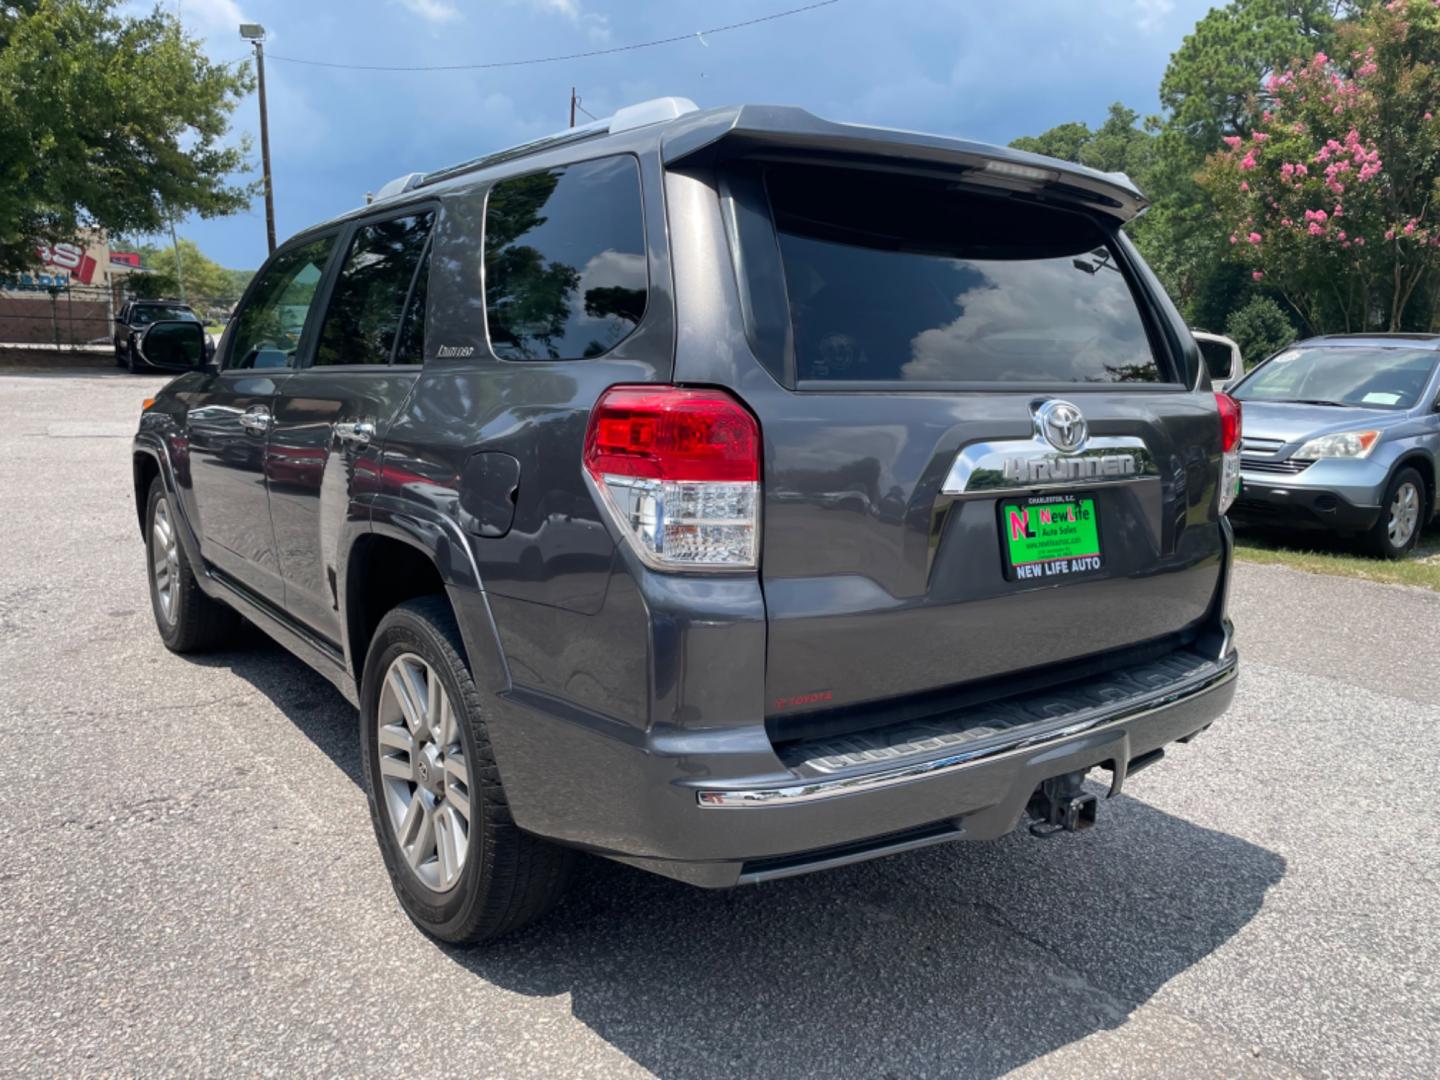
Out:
{"x": 565, "y": 272}
{"x": 914, "y": 280}
{"x": 367, "y": 306}
{"x": 1217, "y": 357}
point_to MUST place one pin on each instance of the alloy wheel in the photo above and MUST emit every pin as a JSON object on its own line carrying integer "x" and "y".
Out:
{"x": 164, "y": 560}
{"x": 1404, "y": 514}
{"x": 425, "y": 779}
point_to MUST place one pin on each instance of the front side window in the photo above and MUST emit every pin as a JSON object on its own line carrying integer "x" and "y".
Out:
{"x": 565, "y": 270}
{"x": 367, "y": 305}
{"x": 915, "y": 280}
{"x": 1373, "y": 377}
{"x": 266, "y": 330}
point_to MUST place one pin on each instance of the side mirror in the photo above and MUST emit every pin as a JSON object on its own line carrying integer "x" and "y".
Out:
{"x": 174, "y": 344}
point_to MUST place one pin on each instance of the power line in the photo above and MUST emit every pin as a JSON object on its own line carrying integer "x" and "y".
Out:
{"x": 702, "y": 34}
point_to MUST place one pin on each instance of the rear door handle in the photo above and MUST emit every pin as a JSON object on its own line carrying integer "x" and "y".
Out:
{"x": 256, "y": 419}
{"x": 360, "y": 432}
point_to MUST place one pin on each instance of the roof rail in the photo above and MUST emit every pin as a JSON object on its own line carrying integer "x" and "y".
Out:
{"x": 655, "y": 111}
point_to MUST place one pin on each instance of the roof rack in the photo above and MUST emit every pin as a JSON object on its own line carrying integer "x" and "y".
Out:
{"x": 655, "y": 111}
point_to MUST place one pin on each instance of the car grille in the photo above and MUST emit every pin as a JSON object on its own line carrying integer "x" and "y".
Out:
{"x": 1251, "y": 445}
{"x": 1265, "y": 465}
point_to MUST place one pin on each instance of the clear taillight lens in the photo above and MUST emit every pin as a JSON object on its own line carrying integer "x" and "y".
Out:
{"x": 679, "y": 471}
{"x": 1230, "y": 423}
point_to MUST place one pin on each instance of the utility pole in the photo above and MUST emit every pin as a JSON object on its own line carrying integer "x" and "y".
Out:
{"x": 179, "y": 272}
{"x": 572, "y": 106}
{"x": 255, "y": 34}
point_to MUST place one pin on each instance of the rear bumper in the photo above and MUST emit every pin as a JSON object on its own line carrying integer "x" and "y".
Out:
{"x": 693, "y": 806}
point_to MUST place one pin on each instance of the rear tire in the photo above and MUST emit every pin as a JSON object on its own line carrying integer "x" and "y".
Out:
{"x": 1403, "y": 513}
{"x": 188, "y": 620}
{"x": 492, "y": 877}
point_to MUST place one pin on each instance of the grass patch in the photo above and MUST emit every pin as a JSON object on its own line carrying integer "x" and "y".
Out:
{"x": 1322, "y": 553}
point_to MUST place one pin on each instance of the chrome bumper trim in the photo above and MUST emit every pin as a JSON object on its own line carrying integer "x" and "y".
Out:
{"x": 833, "y": 787}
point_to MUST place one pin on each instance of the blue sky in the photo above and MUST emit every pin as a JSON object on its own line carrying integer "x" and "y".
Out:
{"x": 983, "y": 69}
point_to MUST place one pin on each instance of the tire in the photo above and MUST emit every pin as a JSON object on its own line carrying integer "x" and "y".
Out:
{"x": 1403, "y": 514}
{"x": 188, "y": 620}
{"x": 120, "y": 359}
{"x": 503, "y": 878}
{"x": 131, "y": 360}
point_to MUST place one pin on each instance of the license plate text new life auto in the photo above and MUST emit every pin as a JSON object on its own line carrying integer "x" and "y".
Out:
{"x": 1050, "y": 536}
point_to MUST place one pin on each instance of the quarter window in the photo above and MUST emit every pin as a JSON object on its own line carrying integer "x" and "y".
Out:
{"x": 267, "y": 330}
{"x": 367, "y": 306}
{"x": 565, "y": 272}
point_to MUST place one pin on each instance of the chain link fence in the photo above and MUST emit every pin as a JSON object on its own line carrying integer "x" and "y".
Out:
{"x": 73, "y": 316}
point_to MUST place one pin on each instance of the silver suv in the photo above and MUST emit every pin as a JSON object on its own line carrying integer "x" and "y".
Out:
{"x": 1342, "y": 433}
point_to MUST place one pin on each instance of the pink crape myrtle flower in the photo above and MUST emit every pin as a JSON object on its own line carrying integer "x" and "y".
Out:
{"x": 1231, "y": 141}
{"x": 1257, "y": 275}
{"x": 1254, "y": 238}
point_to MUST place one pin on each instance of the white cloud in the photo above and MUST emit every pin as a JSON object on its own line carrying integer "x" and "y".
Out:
{"x": 596, "y": 26}
{"x": 208, "y": 15}
{"x": 435, "y": 11}
{"x": 1153, "y": 14}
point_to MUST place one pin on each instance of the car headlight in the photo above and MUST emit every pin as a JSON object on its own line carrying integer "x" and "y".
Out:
{"x": 1342, "y": 444}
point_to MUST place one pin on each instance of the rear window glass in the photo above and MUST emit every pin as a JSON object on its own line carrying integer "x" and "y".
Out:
{"x": 902, "y": 279}
{"x": 565, "y": 273}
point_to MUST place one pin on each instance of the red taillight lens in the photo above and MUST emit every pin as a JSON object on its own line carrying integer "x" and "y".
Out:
{"x": 1229, "y": 422}
{"x": 679, "y": 473}
{"x": 670, "y": 433}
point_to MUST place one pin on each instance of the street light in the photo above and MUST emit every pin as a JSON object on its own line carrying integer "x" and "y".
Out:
{"x": 255, "y": 34}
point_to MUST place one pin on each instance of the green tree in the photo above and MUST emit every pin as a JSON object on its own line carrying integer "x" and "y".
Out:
{"x": 203, "y": 276}
{"x": 1210, "y": 90}
{"x": 1118, "y": 145}
{"x": 109, "y": 119}
{"x": 1260, "y": 328}
{"x": 1332, "y": 198}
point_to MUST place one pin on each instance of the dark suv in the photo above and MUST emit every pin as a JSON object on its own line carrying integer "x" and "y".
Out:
{"x": 132, "y": 320}
{"x": 730, "y": 493}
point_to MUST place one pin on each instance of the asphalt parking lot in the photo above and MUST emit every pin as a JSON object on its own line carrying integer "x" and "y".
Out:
{"x": 189, "y": 883}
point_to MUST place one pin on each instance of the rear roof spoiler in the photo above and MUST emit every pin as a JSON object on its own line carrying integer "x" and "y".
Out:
{"x": 757, "y": 130}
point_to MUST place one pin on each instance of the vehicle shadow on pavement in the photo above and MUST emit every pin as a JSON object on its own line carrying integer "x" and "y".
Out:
{"x": 961, "y": 960}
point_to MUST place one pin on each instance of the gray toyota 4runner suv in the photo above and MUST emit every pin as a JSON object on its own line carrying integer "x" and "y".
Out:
{"x": 731, "y": 493}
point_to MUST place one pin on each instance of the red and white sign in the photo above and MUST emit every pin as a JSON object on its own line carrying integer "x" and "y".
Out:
{"x": 71, "y": 258}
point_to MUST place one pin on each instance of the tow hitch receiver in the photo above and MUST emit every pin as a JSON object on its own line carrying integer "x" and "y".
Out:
{"x": 1061, "y": 804}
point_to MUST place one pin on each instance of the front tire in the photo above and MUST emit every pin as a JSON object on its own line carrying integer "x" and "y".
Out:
{"x": 132, "y": 362}
{"x": 461, "y": 868}
{"x": 188, "y": 620}
{"x": 1402, "y": 516}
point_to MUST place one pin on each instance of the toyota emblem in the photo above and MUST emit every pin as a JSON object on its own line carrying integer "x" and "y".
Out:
{"x": 1062, "y": 425}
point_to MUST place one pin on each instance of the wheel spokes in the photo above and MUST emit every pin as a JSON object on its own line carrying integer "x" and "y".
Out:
{"x": 407, "y": 695}
{"x": 457, "y": 783}
{"x": 423, "y": 771}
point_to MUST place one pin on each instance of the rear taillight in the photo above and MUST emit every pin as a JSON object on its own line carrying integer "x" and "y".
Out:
{"x": 1229, "y": 448}
{"x": 679, "y": 470}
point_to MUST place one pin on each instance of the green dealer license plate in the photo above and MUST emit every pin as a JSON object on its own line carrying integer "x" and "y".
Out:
{"x": 1050, "y": 536}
